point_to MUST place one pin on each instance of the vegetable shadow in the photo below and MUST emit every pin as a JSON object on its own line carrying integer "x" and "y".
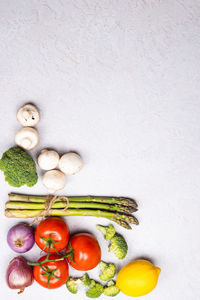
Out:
{"x": 150, "y": 259}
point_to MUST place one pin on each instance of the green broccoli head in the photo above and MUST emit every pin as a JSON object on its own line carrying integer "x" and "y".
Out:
{"x": 111, "y": 289}
{"x": 109, "y": 231}
{"x": 72, "y": 284}
{"x": 111, "y": 283}
{"x": 18, "y": 167}
{"x": 118, "y": 246}
{"x": 107, "y": 271}
{"x": 95, "y": 290}
{"x": 85, "y": 279}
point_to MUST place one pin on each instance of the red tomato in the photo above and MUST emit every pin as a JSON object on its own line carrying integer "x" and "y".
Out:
{"x": 43, "y": 274}
{"x": 85, "y": 252}
{"x": 52, "y": 230}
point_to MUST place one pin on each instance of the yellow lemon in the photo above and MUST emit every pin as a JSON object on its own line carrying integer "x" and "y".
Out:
{"x": 138, "y": 278}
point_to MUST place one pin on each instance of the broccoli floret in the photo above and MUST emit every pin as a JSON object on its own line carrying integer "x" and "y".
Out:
{"x": 109, "y": 231}
{"x": 118, "y": 246}
{"x": 111, "y": 283}
{"x": 107, "y": 271}
{"x": 111, "y": 289}
{"x": 85, "y": 279}
{"x": 73, "y": 283}
{"x": 18, "y": 167}
{"x": 95, "y": 291}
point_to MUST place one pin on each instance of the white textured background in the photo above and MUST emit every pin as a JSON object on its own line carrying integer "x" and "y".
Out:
{"x": 117, "y": 81}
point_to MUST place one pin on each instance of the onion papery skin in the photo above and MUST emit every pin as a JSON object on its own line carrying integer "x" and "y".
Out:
{"x": 20, "y": 238}
{"x": 19, "y": 274}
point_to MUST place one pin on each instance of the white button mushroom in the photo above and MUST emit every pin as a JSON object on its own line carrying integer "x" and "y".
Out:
{"x": 54, "y": 180}
{"x": 70, "y": 163}
{"x": 27, "y": 138}
{"x": 28, "y": 115}
{"x": 48, "y": 159}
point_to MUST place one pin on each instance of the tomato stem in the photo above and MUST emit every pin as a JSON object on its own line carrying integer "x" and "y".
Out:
{"x": 44, "y": 261}
{"x": 49, "y": 273}
{"x": 49, "y": 243}
{"x": 30, "y": 263}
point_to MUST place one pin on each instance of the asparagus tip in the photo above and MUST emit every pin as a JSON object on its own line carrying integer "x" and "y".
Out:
{"x": 129, "y": 202}
{"x": 123, "y": 223}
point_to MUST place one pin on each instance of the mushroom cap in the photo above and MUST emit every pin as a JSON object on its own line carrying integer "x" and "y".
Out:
{"x": 48, "y": 159}
{"x": 28, "y": 115}
{"x": 70, "y": 163}
{"x": 54, "y": 180}
{"x": 27, "y": 138}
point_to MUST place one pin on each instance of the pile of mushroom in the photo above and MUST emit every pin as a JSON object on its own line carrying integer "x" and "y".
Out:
{"x": 69, "y": 163}
{"x": 27, "y": 137}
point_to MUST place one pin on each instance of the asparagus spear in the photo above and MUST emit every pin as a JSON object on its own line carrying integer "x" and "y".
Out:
{"x": 119, "y": 218}
{"x": 41, "y": 206}
{"x": 105, "y": 200}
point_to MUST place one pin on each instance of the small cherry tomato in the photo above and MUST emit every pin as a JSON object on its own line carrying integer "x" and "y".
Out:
{"x": 52, "y": 274}
{"x": 85, "y": 252}
{"x": 53, "y": 233}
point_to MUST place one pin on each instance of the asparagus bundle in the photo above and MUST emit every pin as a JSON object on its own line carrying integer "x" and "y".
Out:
{"x": 116, "y": 209}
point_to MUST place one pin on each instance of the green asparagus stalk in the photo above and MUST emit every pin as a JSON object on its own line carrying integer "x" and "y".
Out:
{"x": 106, "y": 200}
{"x": 41, "y": 206}
{"x": 119, "y": 218}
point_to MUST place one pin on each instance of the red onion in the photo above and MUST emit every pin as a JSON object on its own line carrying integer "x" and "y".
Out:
{"x": 20, "y": 238}
{"x": 19, "y": 274}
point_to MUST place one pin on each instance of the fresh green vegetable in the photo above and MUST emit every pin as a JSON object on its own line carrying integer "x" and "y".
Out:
{"x": 97, "y": 199}
{"x": 86, "y": 281}
{"x": 120, "y": 219}
{"x": 18, "y": 167}
{"x": 73, "y": 283}
{"x": 108, "y": 231}
{"x": 62, "y": 204}
{"x": 95, "y": 290}
{"x": 107, "y": 271}
{"x": 29, "y": 213}
{"x": 30, "y": 206}
{"x": 118, "y": 246}
{"x": 111, "y": 289}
